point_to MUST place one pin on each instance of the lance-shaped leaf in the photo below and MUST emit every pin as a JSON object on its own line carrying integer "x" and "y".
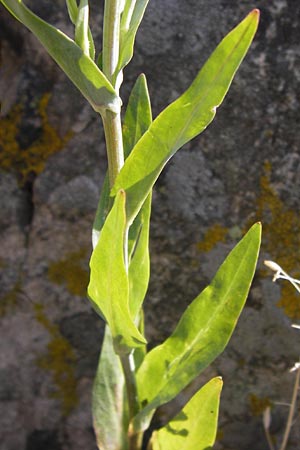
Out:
{"x": 108, "y": 399}
{"x": 138, "y": 118}
{"x": 72, "y": 10}
{"x": 138, "y": 115}
{"x": 102, "y": 210}
{"x": 83, "y": 35}
{"x": 202, "y": 332}
{"x": 185, "y": 118}
{"x": 79, "y": 67}
{"x": 108, "y": 288}
{"x": 139, "y": 266}
{"x": 195, "y": 427}
{"x": 130, "y": 20}
{"x": 83, "y": 39}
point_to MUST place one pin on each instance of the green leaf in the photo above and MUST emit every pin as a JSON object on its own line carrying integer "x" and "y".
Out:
{"x": 195, "y": 427}
{"x": 138, "y": 118}
{"x": 72, "y": 10}
{"x": 102, "y": 210}
{"x": 202, "y": 332}
{"x": 108, "y": 288}
{"x": 140, "y": 352}
{"x": 88, "y": 41}
{"x": 82, "y": 27}
{"x": 79, "y": 67}
{"x": 139, "y": 267}
{"x": 185, "y": 118}
{"x": 108, "y": 399}
{"x": 130, "y": 21}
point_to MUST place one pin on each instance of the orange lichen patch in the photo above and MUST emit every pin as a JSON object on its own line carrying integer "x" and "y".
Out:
{"x": 60, "y": 360}
{"x": 289, "y": 301}
{"x": 220, "y": 434}
{"x": 258, "y": 405}
{"x": 281, "y": 239}
{"x": 71, "y": 271}
{"x": 31, "y": 160}
{"x": 213, "y": 235}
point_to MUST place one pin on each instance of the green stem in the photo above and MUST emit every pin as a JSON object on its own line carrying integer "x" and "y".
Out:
{"x": 111, "y": 121}
{"x": 114, "y": 144}
{"x": 111, "y": 38}
{"x": 115, "y": 155}
{"x": 135, "y": 439}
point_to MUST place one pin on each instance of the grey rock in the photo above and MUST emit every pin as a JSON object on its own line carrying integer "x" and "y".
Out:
{"x": 78, "y": 196}
{"x": 9, "y": 199}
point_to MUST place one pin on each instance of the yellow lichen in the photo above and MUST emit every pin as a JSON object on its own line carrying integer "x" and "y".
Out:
{"x": 216, "y": 233}
{"x": 71, "y": 271}
{"x": 281, "y": 239}
{"x": 60, "y": 360}
{"x": 258, "y": 405}
{"x": 8, "y": 301}
{"x": 31, "y": 160}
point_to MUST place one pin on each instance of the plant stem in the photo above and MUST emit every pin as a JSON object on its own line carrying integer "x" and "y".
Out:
{"x": 111, "y": 121}
{"x": 129, "y": 374}
{"x": 111, "y": 38}
{"x": 291, "y": 411}
{"x": 132, "y": 399}
{"x": 114, "y": 144}
{"x": 115, "y": 155}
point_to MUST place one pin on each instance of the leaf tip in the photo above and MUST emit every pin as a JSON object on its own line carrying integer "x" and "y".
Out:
{"x": 255, "y": 14}
{"x": 219, "y": 381}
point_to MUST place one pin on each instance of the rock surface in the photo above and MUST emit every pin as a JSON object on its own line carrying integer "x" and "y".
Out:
{"x": 243, "y": 168}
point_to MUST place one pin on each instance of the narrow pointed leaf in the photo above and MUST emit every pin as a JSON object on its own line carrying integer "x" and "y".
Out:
{"x": 82, "y": 27}
{"x": 195, "y": 427}
{"x": 140, "y": 352}
{"x": 102, "y": 210}
{"x": 202, "y": 332}
{"x": 137, "y": 120}
{"x": 108, "y": 288}
{"x": 139, "y": 267}
{"x": 130, "y": 21}
{"x": 79, "y": 67}
{"x": 138, "y": 116}
{"x": 72, "y": 10}
{"x": 73, "y": 14}
{"x": 108, "y": 399}
{"x": 185, "y": 118}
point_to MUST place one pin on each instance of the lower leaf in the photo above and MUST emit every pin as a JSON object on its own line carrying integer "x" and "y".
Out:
{"x": 108, "y": 399}
{"x": 202, "y": 332}
{"x": 195, "y": 427}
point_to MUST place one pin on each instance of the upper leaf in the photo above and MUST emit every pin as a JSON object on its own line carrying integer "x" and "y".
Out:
{"x": 138, "y": 115}
{"x": 185, "y": 118}
{"x": 130, "y": 20}
{"x": 103, "y": 208}
{"x": 79, "y": 17}
{"x": 202, "y": 332}
{"x": 82, "y": 30}
{"x": 79, "y": 67}
{"x": 195, "y": 427}
{"x": 138, "y": 118}
{"x": 108, "y": 287}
